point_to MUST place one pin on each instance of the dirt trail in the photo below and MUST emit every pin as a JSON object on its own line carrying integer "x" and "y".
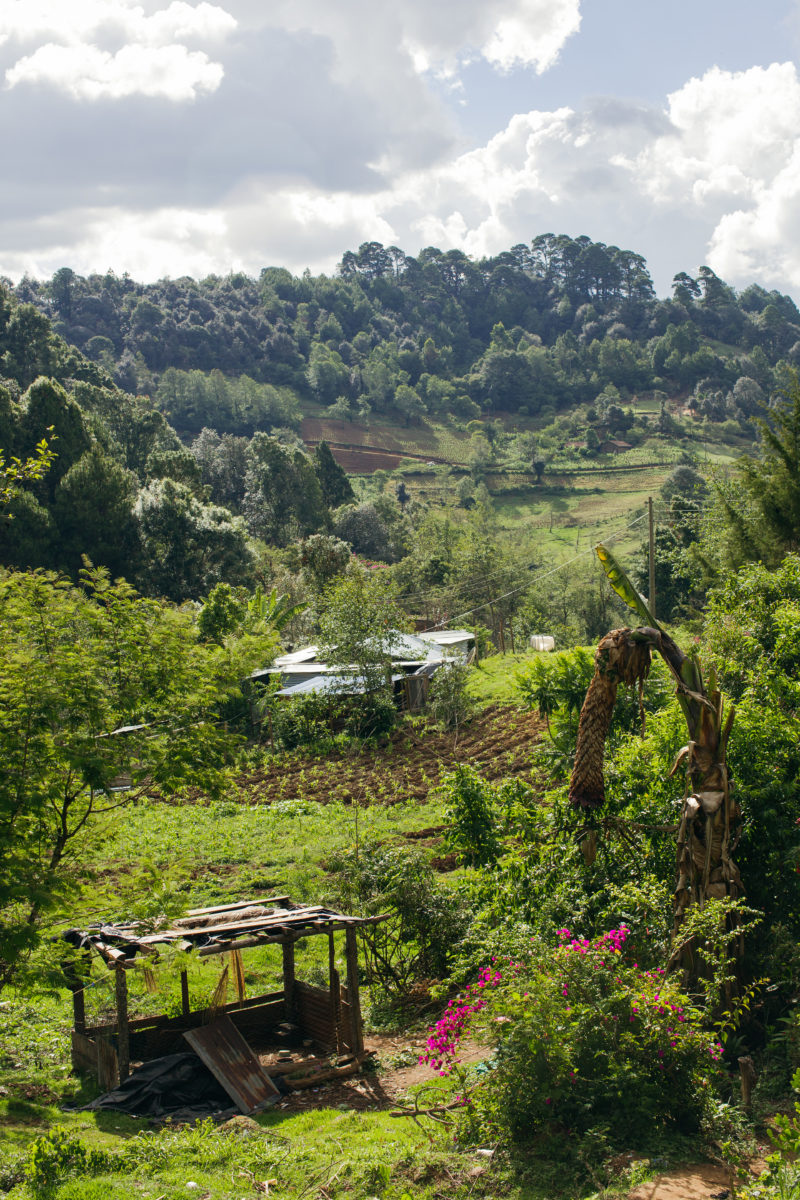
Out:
{"x": 393, "y": 1068}
{"x": 701, "y": 1182}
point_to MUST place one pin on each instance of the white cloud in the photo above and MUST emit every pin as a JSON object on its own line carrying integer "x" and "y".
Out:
{"x": 87, "y": 73}
{"x": 533, "y": 35}
{"x": 730, "y": 132}
{"x": 165, "y": 242}
{"x": 732, "y": 155}
{"x": 151, "y": 61}
{"x": 439, "y": 37}
{"x": 79, "y": 20}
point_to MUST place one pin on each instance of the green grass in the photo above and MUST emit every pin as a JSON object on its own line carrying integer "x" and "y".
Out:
{"x": 324, "y": 1154}
{"x": 494, "y": 679}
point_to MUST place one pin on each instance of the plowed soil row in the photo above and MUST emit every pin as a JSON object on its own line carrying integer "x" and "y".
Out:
{"x": 498, "y": 741}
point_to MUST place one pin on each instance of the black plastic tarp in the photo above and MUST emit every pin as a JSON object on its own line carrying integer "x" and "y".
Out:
{"x": 179, "y": 1086}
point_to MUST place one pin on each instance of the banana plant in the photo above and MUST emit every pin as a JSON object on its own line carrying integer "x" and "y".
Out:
{"x": 710, "y": 818}
{"x": 273, "y": 610}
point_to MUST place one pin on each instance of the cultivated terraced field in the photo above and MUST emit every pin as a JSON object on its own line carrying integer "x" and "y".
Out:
{"x": 498, "y": 741}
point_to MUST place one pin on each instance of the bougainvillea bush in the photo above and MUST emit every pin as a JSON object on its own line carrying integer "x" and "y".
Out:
{"x": 583, "y": 1039}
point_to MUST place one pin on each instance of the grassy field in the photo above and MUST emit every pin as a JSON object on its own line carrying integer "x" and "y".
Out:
{"x": 261, "y": 840}
{"x": 579, "y": 501}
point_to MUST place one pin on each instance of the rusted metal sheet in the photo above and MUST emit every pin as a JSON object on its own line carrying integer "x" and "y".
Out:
{"x": 231, "y": 1061}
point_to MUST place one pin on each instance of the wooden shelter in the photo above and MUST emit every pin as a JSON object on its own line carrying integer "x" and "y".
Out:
{"x": 330, "y": 1017}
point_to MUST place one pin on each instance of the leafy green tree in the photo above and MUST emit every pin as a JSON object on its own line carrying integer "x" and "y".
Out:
{"x": 27, "y": 533}
{"x": 28, "y": 347}
{"x": 223, "y": 463}
{"x": 283, "y": 497}
{"x": 335, "y": 485}
{"x": 77, "y": 664}
{"x": 361, "y": 526}
{"x": 771, "y": 483}
{"x": 93, "y": 512}
{"x": 323, "y": 558}
{"x": 222, "y": 613}
{"x": 358, "y": 623}
{"x": 47, "y": 406}
{"x": 15, "y": 473}
{"x": 188, "y": 547}
{"x": 178, "y": 464}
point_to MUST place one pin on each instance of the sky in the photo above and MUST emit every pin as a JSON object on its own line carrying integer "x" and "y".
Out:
{"x": 181, "y": 138}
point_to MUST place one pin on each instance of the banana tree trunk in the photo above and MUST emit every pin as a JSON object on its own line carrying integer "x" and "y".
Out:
{"x": 709, "y": 822}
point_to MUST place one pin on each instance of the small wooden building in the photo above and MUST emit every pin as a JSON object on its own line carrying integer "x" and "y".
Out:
{"x": 331, "y": 1017}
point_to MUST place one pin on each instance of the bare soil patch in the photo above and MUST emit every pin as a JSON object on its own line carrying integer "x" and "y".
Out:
{"x": 391, "y": 1070}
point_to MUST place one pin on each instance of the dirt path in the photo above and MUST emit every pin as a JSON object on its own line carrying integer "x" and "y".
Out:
{"x": 394, "y": 1067}
{"x": 686, "y": 1183}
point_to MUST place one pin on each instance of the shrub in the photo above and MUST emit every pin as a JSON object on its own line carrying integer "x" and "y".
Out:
{"x": 583, "y": 1039}
{"x": 450, "y": 703}
{"x": 58, "y": 1155}
{"x": 425, "y": 925}
{"x": 313, "y": 719}
{"x": 471, "y": 815}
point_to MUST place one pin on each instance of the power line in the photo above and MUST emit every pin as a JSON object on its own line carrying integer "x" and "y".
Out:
{"x": 476, "y": 578}
{"x": 537, "y": 578}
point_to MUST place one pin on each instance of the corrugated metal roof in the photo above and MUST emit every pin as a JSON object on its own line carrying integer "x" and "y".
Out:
{"x": 230, "y": 1060}
{"x": 213, "y": 930}
{"x": 447, "y": 637}
{"x": 307, "y": 654}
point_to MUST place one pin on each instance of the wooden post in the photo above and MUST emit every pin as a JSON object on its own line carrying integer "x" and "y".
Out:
{"x": 351, "y": 954}
{"x": 288, "y": 979}
{"x": 185, "y": 1009}
{"x": 652, "y": 556}
{"x": 335, "y": 992}
{"x": 123, "y": 1032}
{"x": 748, "y": 1076}
{"x": 75, "y": 985}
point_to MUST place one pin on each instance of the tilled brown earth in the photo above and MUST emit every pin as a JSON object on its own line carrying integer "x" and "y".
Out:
{"x": 498, "y": 741}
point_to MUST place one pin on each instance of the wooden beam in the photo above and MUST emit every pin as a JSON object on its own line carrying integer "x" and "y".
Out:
{"x": 123, "y": 1032}
{"x": 75, "y": 985}
{"x": 288, "y": 980}
{"x": 335, "y": 990}
{"x": 351, "y": 957}
{"x": 185, "y": 1009}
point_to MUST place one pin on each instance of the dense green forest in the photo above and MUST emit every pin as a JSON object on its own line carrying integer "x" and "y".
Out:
{"x": 176, "y": 408}
{"x": 535, "y": 328}
{"x": 575, "y": 965}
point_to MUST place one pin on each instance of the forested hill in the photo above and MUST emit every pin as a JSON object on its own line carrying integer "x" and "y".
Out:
{"x": 535, "y": 328}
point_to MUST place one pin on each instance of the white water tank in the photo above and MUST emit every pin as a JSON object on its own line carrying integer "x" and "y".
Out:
{"x": 542, "y": 641}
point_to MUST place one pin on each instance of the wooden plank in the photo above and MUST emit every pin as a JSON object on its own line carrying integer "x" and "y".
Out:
{"x": 160, "y": 1020}
{"x": 256, "y": 1025}
{"x": 216, "y": 908}
{"x": 351, "y": 956}
{"x": 123, "y": 1033}
{"x": 288, "y": 979}
{"x": 108, "y": 951}
{"x": 84, "y": 1054}
{"x": 334, "y": 991}
{"x": 233, "y": 1064}
{"x": 107, "y": 1065}
{"x": 185, "y": 1007}
{"x": 288, "y": 917}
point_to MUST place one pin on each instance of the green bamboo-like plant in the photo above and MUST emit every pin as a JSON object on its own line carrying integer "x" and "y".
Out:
{"x": 709, "y": 824}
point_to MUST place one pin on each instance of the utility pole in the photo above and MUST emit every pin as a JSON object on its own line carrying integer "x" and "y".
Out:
{"x": 652, "y": 557}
